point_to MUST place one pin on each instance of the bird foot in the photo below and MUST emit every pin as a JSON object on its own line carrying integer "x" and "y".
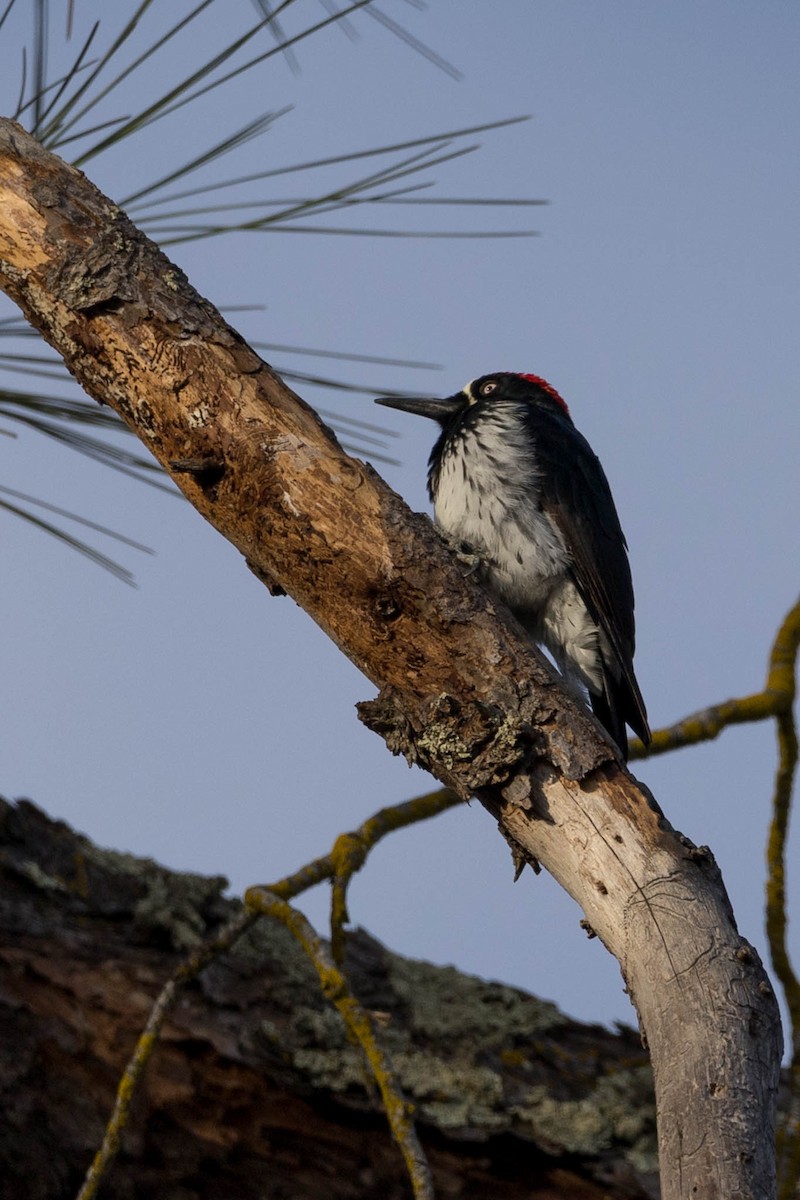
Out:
{"x": 462, "y": 550}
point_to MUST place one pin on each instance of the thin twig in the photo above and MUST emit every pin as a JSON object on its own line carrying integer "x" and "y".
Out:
{"x": 357, "y": 1020}
{"x": 350, "y": 852}
{"x": 146, "y": 1043}
{"x": 781, "y": 684}
{"x": 706, "y": 724}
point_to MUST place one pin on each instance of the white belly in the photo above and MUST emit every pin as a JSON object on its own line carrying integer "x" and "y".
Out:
{"x": 479, "y": 501}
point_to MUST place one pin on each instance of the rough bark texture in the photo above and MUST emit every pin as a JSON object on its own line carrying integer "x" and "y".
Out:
{"x": 461, "y": 691}
{"x": 255, "y": 1090}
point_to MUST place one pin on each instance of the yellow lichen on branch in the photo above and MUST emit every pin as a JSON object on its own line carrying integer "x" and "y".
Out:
{"x": 357, "y": 1021}
{"x": 781, "y": 685}
{"x": 147, "y": 1042}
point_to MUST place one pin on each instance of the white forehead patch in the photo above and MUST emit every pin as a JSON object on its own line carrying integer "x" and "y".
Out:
{"x": 468, "y": 390}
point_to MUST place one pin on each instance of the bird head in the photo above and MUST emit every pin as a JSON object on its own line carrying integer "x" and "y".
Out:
{"x": 487, "y": 390}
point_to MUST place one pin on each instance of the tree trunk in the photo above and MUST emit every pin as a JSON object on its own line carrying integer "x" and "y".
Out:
{"x": 255, "y": 1090}
{"x": 462, "y": 691}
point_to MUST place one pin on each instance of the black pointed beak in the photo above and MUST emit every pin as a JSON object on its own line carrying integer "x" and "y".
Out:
{"x": 437, "y": 410}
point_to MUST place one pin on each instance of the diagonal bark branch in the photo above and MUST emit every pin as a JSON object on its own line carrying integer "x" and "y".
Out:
{"x": 462, "y": 692}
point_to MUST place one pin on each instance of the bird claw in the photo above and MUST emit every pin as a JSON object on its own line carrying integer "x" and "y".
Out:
{"x": 462, "y": 550}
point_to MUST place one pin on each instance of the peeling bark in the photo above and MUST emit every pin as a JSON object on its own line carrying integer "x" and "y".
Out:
{"x": 462, "y": 692}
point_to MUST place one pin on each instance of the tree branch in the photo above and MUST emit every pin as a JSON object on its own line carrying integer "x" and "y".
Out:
{"x": 462, "y": 691}
{"x": 781, "y": 686}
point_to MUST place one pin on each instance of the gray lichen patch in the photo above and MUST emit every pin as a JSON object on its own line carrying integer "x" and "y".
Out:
{"x": 453, "y": 1096}
{"x": 441, "y": 1002}
{"x": 336, "y": 1071}
{"x": 619, "y": 1109}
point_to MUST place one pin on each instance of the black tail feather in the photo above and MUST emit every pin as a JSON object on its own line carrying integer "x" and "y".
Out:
{"x": 621, "y": 704}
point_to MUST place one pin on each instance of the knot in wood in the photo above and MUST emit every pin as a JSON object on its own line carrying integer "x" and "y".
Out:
{"x": 348, "y": 854}
{"x": 386, "y": 607}
{"x": 470, "y": 745}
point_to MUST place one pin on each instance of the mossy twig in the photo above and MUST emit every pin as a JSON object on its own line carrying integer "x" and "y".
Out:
{"x": 147, "y": 1041}
{"x": 781, "y": 684}
{"x": 357, "y": 1021}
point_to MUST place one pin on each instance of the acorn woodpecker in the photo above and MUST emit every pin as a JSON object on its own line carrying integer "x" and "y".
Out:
{"x": 514, "y": 482}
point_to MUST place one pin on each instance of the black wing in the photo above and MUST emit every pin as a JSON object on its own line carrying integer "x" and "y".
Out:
{"x": 575, "y": 493}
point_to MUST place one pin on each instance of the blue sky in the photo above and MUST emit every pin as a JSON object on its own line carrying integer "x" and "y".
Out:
{"x": 202, "y": 723}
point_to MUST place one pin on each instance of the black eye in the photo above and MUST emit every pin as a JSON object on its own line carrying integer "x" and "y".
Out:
{"x": 489, "y": 387}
